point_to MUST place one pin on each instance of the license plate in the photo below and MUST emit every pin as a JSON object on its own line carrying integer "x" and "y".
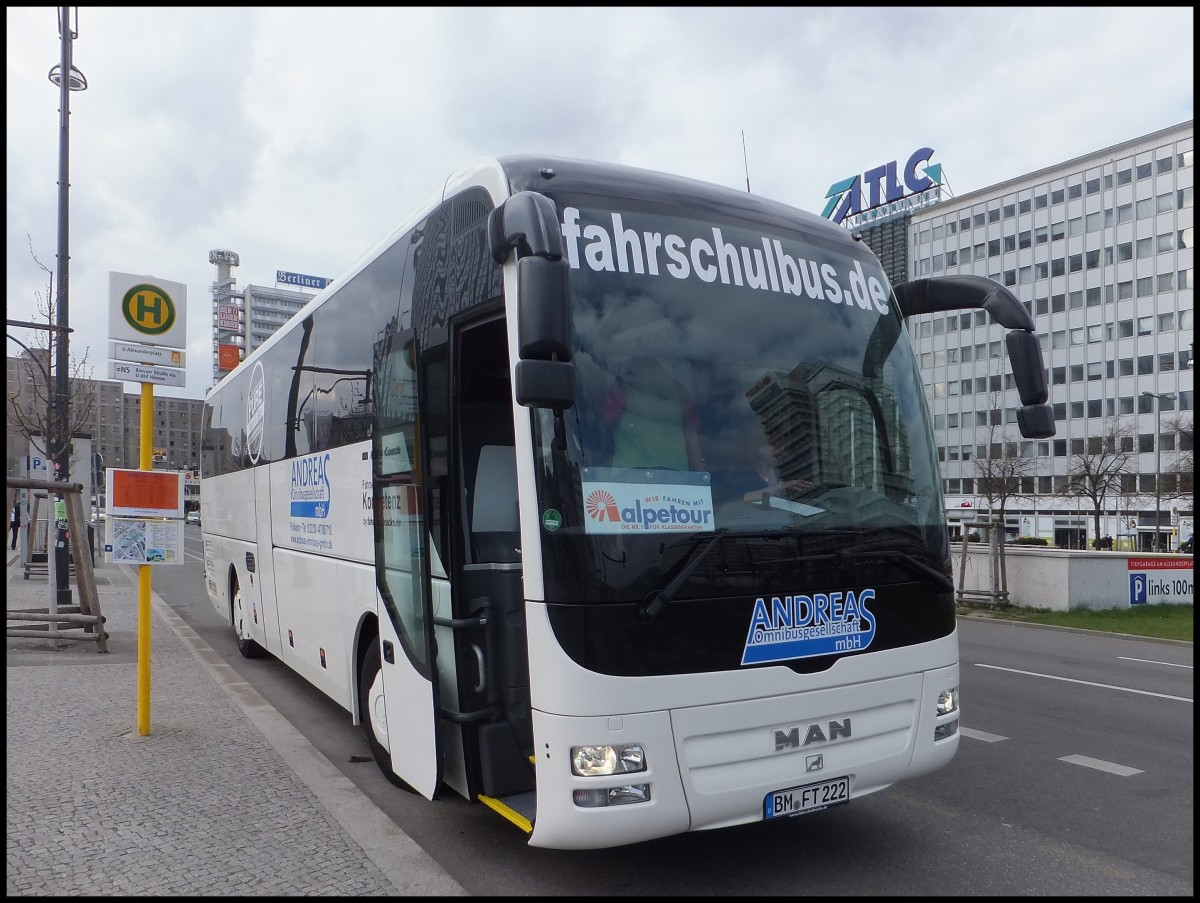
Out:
{"x": 808, "y": 798}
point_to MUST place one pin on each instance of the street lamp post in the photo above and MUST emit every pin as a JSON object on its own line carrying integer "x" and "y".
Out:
{"x": 1158, "y": 400}
{"x": 67, "y": 78}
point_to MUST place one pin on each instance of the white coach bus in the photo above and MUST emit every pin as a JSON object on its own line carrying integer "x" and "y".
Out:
{"x": 609, "y": 499}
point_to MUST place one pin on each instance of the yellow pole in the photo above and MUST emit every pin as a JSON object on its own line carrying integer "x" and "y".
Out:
{"x": 146, "y": 463}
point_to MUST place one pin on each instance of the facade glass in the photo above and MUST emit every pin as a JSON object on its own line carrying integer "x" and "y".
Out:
{"x": 1100, "y": 250}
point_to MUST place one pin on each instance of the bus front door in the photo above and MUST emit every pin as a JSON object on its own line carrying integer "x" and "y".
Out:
{"x": 407, "y": 675}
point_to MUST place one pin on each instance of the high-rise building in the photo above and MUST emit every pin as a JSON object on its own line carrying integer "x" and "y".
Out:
{"x": 1099, "y": 250}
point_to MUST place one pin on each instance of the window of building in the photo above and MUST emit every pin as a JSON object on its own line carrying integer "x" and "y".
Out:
{"x": 1125, "y": 213}
{"x": 1039, "y": 202}
{"x": 1074, "y": 191}
{"x": 1010, "y": 242}
{"x": 1093, "y": 296}
{"x": 1092, "y": 186}
{"x": 1145, "y": 208}
{"x": 1145, "y": 364}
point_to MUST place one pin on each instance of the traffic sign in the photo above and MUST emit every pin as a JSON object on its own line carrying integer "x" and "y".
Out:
{"x": 147, "y": 310}
{"x": 146, "y": 354}
{"x": 145, "y": 373}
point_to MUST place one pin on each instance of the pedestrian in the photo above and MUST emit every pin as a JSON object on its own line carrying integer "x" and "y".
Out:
{"x": 15, "y": 522}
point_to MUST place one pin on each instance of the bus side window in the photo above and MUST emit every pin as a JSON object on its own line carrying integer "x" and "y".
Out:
{"x": 495, "y": 527}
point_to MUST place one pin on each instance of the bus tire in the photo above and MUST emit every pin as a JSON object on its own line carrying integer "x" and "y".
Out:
{"x": 368, "y": 671}
{"x": 246, "y": 646}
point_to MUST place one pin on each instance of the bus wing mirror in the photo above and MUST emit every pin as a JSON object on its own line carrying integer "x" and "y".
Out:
{"x": 1035, "y": 418}
{"x": 1036, "y": 421}
{"x": 543, "y": 309}
{"x": 528, "y": 223}
{"x": 545, "y": 384}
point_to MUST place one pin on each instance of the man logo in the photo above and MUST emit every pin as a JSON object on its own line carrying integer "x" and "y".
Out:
{"x": 790, "y": 739}
{"x": 814, "y": 763}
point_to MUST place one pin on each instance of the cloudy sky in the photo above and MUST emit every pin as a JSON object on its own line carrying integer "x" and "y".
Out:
{"x": 299, "y": 138}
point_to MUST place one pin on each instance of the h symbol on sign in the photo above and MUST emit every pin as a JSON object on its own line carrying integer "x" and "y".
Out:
{"x": 147, "y": 306}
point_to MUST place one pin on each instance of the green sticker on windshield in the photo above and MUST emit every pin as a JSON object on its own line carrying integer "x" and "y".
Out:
{"x": 551, "y": 519}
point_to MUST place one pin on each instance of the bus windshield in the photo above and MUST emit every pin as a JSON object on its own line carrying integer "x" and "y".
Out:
{"x": 736, "y": 379}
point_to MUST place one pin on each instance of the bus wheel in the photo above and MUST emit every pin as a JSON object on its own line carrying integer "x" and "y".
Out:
{"x": 246, "y": 646}
{"x": 367, "y": 675}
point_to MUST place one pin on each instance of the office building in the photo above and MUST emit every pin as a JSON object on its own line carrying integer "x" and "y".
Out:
{"x": 1099, "y": 250}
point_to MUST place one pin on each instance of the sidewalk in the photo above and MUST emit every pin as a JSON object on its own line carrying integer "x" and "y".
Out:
{"x": 222, "y": 797}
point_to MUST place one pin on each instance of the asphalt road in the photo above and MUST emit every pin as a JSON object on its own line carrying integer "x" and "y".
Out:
{"x": 1074, "y": 777}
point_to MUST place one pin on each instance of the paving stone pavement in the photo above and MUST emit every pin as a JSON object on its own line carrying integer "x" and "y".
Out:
{"x": 222, "y": 797}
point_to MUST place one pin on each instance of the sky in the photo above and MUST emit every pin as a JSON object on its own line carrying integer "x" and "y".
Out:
{"x": 298, "y": 138}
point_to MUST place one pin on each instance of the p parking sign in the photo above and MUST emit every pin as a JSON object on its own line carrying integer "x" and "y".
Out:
{"x": 148, "y": 310}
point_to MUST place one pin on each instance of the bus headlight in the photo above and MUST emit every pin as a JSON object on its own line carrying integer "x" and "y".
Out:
{"x": 597, "y": 761}
{"x": 611, "y": 796}
{"x": 947, "y": 702}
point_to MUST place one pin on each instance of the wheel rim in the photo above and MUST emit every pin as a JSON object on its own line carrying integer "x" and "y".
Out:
{"x": 239, "y": 615}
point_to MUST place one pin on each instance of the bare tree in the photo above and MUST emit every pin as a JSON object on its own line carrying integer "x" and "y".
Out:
{"x": 31, "y": 411}
{"x": 1098, "y": 472}
{"x": 1181, "y": 466}
{"x": 1004, "y": 466}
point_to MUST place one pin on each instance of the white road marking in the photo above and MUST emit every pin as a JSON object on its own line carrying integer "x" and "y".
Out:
{"x": 1122, "y": 771}
{"x": 981, "y": 735}
{"x": 1150, "y": 661}
{"x": 1086, "y": 683}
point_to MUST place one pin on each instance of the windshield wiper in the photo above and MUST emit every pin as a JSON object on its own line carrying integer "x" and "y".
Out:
{"x": 657, "y": 600}
{"x": 904, "y": 558}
